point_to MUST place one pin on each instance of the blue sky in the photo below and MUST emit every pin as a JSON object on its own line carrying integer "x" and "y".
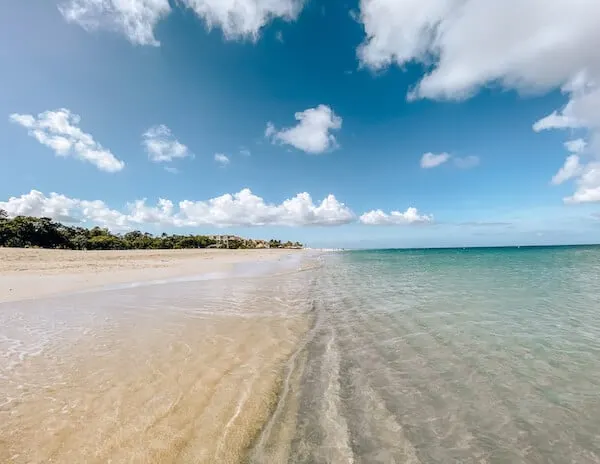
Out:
{"x": 373, "y": 113}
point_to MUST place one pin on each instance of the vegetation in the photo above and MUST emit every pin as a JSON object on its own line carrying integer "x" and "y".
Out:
{"x": 27, "y": 231}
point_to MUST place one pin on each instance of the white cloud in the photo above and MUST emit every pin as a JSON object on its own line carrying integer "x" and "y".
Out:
{"x": 98, "y": 213}
{"x": 171, "y": 169}
{"x": 59, "y": 131}
{"x": 587, "y": 183}
{"x": 135, "y": 19}
{"x": 244, "y": 18}
{"x": 570, "y": 169}
{"x": 467, "y": 162}
{"x": 410, "y": 216}
{"x": 270, "y": 130}
{"x": 162, "y": 146}
{"x": 301, "y": 209}
{"x": 556, "y": 120}
{"x": 246, "y": 209}
{"x": 64, "y": 209}
{"x": 162, "y": 213}
{"x": 222, "y": 159}
{"x": 582, "y": 112}
{"x": 469, "y": 44}
{"x": 243, "y": 209}
{"x": 35, "y": 203}
{"x": 431, "y": 160}
{"x": 245, "y": 152}
{"x": 532, "y": 46}
{"x": 312, "y": 134}
{"x": 576, "y": 146}
{"x": 584, "y": 195}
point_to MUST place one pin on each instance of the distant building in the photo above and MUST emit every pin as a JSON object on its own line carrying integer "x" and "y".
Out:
{"x": 223, "y": 240}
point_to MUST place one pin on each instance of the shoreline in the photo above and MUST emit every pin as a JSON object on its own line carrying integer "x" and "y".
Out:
{"x": 31, "y": 273}
{"x": 181, "y": 372}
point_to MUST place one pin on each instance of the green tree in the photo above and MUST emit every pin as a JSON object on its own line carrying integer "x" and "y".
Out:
{"x": 105, "y": 242}
{"x": 3, "y": 227}
{"x": 27, "y": 231}
{"x": 274, "y": 243}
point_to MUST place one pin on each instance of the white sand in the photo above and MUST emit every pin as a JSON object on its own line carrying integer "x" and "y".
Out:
{"x": 162, "y": 374}
{"x": 35, "y": 273}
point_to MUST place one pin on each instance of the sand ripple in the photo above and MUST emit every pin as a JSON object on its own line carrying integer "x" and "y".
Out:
{"x": 175, "y": 373}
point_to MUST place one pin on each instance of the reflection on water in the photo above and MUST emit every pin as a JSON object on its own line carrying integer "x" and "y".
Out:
{"x": 473, "y": 356}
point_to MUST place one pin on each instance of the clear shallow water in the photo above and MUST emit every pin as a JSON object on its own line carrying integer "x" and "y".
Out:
{"x": 431, "y": 356}
{"x": 480, "y": 355}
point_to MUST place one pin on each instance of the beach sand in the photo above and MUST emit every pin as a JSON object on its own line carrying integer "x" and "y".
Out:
{"x": 178, "y": 372}
{"x": 35, "y": 273}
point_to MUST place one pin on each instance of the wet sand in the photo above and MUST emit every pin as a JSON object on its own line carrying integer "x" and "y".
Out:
{"x": 178, "y": 372}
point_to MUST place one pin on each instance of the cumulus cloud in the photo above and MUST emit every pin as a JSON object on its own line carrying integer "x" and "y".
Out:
{"x": 468, "y": 43}
{"x": 584, "y": 195}
{"x": 222, "y": 159}
{"x": 556, "y": 120}
{"x": 244, "y": 18}
{"x": 570, "y": 169}
{"x": 312, "y": 134}
{"x": 98, "y": 213}
{"x": 35, "y": 203}
{"x": 137, "y": 19}
{"x": 465, "y": 46}
{"x": 587, "y": 183}
{"x": 582, "y": 113}
{"x": 59, "y": 130}
{"x": 64, "y": 209}
{"x": 431, "y": 160}
{"x": 162, "y": 146}
{"x": 246, "y": 209}
{"x": 410, "y": 216}
{"x": 242, "y": 209}
{"x": 576, "y": 146}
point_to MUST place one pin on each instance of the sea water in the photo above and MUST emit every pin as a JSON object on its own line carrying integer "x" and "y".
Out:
{"x": 457, "y": 355}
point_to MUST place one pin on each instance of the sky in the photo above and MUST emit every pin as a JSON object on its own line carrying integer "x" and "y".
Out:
{"x": 355, "y": 124}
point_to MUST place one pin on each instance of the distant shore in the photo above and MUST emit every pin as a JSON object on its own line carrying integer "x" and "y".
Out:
{"x": 33, "y": 273}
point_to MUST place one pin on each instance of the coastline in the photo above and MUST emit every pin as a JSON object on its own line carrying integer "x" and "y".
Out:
{"x": 27, "y": 273}
{"x": 180, "y": 372}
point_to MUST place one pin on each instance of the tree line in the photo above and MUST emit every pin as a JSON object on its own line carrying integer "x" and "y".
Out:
{"x": 28, "y": 231}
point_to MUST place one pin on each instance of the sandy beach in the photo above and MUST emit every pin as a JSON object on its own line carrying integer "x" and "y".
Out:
{"x": 180, "y": 372}
{"x": 35, "y": 273}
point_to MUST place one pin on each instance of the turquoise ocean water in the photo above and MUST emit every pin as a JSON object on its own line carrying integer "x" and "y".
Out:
{"x": 452, "y": 355}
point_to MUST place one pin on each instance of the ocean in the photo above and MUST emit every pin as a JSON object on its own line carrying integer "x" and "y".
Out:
{"x": 452, "y": 355}
{"x": 384, "y": 356}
